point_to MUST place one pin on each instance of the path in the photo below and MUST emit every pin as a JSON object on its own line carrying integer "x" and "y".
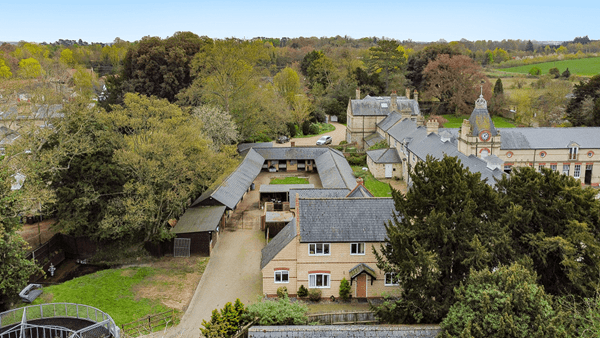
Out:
{"x": 338, "y": 135}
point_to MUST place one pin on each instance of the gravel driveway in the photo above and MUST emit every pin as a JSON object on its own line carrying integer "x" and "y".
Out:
{"x": 338, "y": 135}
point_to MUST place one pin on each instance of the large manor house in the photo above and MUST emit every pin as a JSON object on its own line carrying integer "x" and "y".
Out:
{"x": 477, "y": 143}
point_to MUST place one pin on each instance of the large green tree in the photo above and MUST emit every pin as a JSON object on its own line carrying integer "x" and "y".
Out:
{"x": 418, "y": 61}
{"x": 387, "y": 59}
{"x": 584, "y": 108}
{"x": 555, "y": 222}
{"x": 443, "y": 228}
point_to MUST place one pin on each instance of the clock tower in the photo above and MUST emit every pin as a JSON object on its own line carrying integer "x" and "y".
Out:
{"x": 478, "y": 136}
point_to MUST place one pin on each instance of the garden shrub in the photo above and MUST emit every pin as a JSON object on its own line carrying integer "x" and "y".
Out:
{"x": 302, "y": 291}
{"x": 314, "y": 129}
{"x": 291, "y": 129}
{"x": 226, "y": 322}
{"x": 358, "y": 159}
{"x": 535, "y": 71}
{"x": 566, "y": 74}
{"x": 306, "y": 127}
{"x": 343, "y": 142}
{"x": 314, "y": 295}
{"x": 278, "y": 312}
{"x": 344, "y": 289}
{"x": 282, "y": 292}
{"x": 380, "y": 145}
{"x": 554, "y": 72}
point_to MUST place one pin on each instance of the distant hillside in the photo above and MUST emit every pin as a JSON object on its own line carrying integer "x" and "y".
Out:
{"x": 585, "y": 67}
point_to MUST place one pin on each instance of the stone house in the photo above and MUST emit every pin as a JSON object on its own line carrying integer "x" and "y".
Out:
{"x": 328, "y": 240}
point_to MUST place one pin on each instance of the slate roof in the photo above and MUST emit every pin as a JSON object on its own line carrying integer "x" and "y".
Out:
{"x": 231, "y": 190}
{"x": 549, "y": 138}
{"x": 199, "y": 219}
{"x": 480, "y": 120}
{"x": 283, "y": 238}
{"x": 388, "y": 155}
{"x": 389, "y": 121}
{"x": 377, "y": 106}
{"x": 344, "y": 219}
{"x": 296, "y": 153}
{"x": 278, "y": 216}
{"x": 373, "y": 139}
{"x": 312, "y": 193}
{"x": 283, "y": 187}
{"x": 334, "y": 170}
{"x": 360, "y": 191}
{"x": 246, "y": 146}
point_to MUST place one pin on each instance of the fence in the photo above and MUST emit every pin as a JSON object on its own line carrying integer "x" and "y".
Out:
{"x": 53, "y": 320}
{"x": 148, "y": 324}
{"x": 335, "y": 318}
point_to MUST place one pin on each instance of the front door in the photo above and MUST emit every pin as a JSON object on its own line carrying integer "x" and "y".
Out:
{"x": 361, "y": 286}
{"x": 389, "y": 168}
{"x": 588, "y": 174}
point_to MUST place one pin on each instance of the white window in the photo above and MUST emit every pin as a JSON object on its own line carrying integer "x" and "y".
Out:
{"x": 566, "y": 169}
{"x": 541, "y": 167}
{"x": 282, "y": 276}
{"x": 318, "y": 249}
{"x": 390, "y": 279}
{"x": 573, "y": 153}
{"x": 318, "y": 280}
{"x": 577, "y": 171}
{"x": 508, "y": 168}
{"x": 357, "y": 248}
{"x": 553, "y": 167}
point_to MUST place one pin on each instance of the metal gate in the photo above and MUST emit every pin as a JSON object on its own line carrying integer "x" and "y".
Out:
{"x": 182, "y": 247}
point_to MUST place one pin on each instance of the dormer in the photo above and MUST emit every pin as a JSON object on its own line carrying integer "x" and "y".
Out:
{"x": 573, "y": 150}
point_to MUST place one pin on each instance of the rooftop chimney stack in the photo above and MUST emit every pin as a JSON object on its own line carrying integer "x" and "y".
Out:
{"x": 394, "y": 102}
{"x": 358, "y": 93}
{"x": 432, "y": 126}
{"x": 407, "y": 93}
{"x": 360, "y": 181}
{"x": 416, "y": 95}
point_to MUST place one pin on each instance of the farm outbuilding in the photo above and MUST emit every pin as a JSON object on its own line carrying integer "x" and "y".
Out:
{"x": 203, "y": 226}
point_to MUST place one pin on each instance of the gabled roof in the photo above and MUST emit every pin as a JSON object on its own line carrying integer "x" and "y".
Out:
{"x": 360, "y": 191}
{"x": 246, "y": 146}
{"x": 549, "y": 138}
{"x": 360, "y": 268}
{"x": 283, "y": 238}
{"x": 389, "y": 121}
{"x": 283, "y": 187}
{"x": 296, "y": 153}
{"x": 313, "y": 193}
{"x": 388, "y": 155}
{"x": 231, "y": 190}
{"x": 377, "y": 106}
{"x": 334, "y": 170}
{"x": 199, "y": 219}
{"x": 344, "y": 219}
{"x": 373, "y": 139}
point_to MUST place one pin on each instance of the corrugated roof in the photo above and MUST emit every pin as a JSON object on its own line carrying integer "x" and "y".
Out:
{"x": 284, "y": 187}
{"x": 199, "y": 219}
{"x": 344, "y": 219}
{"x": 315, "y": 193}
{"x": 388, "y": 155}
{"x": 283, "y": 238}
{"x": 389, "y": 121}
{"x": 377, "y": 106}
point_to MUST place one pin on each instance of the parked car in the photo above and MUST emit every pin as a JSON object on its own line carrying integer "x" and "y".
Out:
{"x": 324, "y": 140}
{"x": 283, "y": 139}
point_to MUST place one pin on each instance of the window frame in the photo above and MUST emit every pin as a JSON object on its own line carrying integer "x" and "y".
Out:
{"x": 358, "y": 246}
{"x": 577, "y": 171}
{"x": 566, "y": 169}
{"x": 323, "y": 275}
{"x": 553, "y": 167}
{"x": 385, "y": 279}
{"x": 322, "y": 249}
{"x": 281, "y": 273}
{"x": 573, "y": 152}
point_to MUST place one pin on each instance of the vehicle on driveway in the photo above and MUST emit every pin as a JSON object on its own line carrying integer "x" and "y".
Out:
{"x": 324, "y": 140}
{"x": 283, "y": 139}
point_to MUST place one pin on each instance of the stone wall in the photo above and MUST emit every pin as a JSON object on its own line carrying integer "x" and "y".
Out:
{"x": 351, "y": 331}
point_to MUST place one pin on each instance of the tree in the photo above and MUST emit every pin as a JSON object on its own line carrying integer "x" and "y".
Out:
{"x": 308, "y": 59}
{"x": 554, "y": 72}
{"x": 30, "y": 68}
{"x": 386, "y": 58}
{"x": 505, "y": 302}
{"x": 417, "y": 62}
{"x": 577, "y": 113}
{"x": 500, "y": 55}
{"x": 345, "y": 289}
{"x": 443, "y": 228}
{"x": 498, "y": 88}
{"x": 369, "y": 84}
{"x": 529, "y": 47}
{"x": 161, "y": 67}
{"x": 217, "y": 125}
{"x": 566, "y": 74}
{"x": 535, "y": 71}
{"x": 226, "y": 322}
{"x": 287, "y": 83}
{"x": 556, "y": 223}
{"x": 66, "y": 57}
{"x": 4, "y": 70}
{"x": 455, "y": 81}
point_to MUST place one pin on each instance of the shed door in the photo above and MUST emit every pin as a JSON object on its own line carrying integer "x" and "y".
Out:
{"x": 182, "y": 247}
{"x": 389, "y": 168}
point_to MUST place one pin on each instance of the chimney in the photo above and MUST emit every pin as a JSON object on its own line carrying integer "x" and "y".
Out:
{"x": 297, "y": 214}
{"x": 394, "y": 102}
{"x": 407, "y": 93}
{"x": 432, "y": 126}
{"x": 360, "y": 181}
{"x": 292, "y": 144}
{"x": 358, "y": 93}
{"x": 416, "y": 95}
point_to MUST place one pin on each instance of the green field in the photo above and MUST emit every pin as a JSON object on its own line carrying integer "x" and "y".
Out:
{"x": 586, "y": 67}
{"x": 290, "y": 180}
{"x": 456, "y": 122}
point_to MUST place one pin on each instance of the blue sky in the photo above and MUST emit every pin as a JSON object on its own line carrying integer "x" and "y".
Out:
{"x": 102, "y": 21}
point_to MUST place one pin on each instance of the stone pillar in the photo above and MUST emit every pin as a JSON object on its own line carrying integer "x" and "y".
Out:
{"x": 407, "y": 93}
{"x": 394, "y": 102}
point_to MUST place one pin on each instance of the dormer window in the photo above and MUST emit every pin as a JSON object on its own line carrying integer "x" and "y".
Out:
{"x": 573, "y": 153}
{"x": 384, "y": 105}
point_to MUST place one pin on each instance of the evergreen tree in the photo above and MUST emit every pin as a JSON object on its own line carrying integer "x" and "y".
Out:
{"x": 529, "y": 47}
{"x": 566, "y": 74}
{"x": 498, "y": 88}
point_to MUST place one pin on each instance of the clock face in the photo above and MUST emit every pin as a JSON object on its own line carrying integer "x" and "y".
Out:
{"x": 484, "y": 135}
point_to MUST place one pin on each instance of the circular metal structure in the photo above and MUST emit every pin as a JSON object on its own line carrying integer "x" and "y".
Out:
{"x": 65, "y": 320}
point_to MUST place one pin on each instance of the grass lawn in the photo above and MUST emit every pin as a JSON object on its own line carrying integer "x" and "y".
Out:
{"x": 378, "y": 189}
{"x": 586, "y": 67}
{"x": 456, "y": 122}
{"x": 128, "y": 294}
{"x": 290, "y": 180}
{"x": 323, "y": 128}
{"x": 326, "y": 307}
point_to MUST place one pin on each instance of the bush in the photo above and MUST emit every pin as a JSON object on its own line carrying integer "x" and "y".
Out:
{"x": 282, "y": 292}
{"x": 302, "y": 291}
{"x": 306, "y": 127}
{"x": 314, "y": 295}
{"x": 343, "y": 142}
{"x": 554, "y": 72}
{"x": 226, "y": 322}
{"x": 279, "y": 312}
{"x": 291, "y": 129}
{"x": 501, "y": 303}
{"x": 314, "y": 129}
{"x": 344, "y": 289}
{"x": 358, "y": 159}
{"x": 566, "y": 74}
{"x": 380, "y": 145}
{"x": 535, "y": 71}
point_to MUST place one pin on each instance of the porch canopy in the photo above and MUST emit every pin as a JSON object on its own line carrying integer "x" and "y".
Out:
{"x": 362, "y": 268}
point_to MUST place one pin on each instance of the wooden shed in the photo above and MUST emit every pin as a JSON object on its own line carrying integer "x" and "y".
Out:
{"x": 203, "y": 226}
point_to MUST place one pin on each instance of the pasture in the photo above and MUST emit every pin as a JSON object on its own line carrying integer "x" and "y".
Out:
{"x": 582, "y": 67}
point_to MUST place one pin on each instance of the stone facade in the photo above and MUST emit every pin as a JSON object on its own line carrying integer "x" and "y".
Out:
{"x": 378, "y": 169}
